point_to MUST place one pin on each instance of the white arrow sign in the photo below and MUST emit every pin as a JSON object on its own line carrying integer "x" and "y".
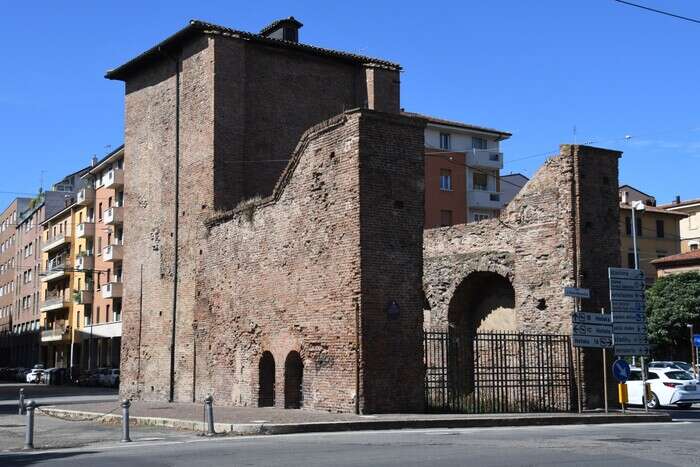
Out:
{"x": 624, "y": 273}
{"x": 576, "y": 292}
{"x": 627, "y": 350}
{"x": 591, "y": 341}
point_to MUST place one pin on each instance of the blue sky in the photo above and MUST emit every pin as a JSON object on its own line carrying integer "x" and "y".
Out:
{"x": 536, "y": 69}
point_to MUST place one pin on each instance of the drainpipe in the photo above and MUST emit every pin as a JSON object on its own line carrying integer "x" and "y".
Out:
{"x": 176, "y": 232}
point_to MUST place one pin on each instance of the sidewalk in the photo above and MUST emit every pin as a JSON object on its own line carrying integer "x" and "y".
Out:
{"x": 256, "y": 421}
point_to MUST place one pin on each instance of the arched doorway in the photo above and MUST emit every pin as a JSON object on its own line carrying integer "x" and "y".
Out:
{"x": 293, "y": 378}
{"x": 483, "y": 301}
{"x": 266, "y": 380}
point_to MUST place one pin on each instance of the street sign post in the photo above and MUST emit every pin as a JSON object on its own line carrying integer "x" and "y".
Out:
{"x": 576, "y": 292}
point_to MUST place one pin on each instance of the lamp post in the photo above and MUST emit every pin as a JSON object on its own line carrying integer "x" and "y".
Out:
{"x": 639, "y": 206}
{"x": 692, "y": 348}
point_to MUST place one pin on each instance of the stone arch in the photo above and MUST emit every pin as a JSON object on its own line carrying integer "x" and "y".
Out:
{"x": 266, "y": 380}
{"x": 484, "y": 300}
{"x": 293, "y": 380}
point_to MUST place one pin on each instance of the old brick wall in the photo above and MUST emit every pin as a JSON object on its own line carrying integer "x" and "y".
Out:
{"x": 266, "y": 97}
{"x": 561, "y": 230}
{"x": 301, "y": 270}
{"x": 150, "y": 210}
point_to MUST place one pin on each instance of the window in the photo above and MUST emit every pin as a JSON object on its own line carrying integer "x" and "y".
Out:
{"x": 445, "y": 141}
{"x": 99, "y": 211}
{"x": 630, "y": 260}
{"x": 480, "y": 181}
{"x": 480, "y": 216}
{"x": 693, "y": 246}
{"x": 445, "y": 180}
{"x": 628, "y": 225}
{"x": 107, "y": 313}
{"x": 445, "y": 218}
{"x": 478, "y": 143}
{"x": 117, "y": 311}
{"x": 660, "y": 229}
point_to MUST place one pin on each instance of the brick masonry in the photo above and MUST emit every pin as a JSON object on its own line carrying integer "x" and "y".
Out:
{"x": 561, "y": 230}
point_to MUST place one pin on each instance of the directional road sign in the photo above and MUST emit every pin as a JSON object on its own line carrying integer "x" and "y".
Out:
{"x": 629, "y": 317}
{"x": 591, "y": 341}
{"x": 629, "y": 328}
{"x": 627, "y": 284}
{"x": 632, "y": 350}
{"x": 577, "y": 292}
{"x": 621, "y": 370}
{"x": 617, "y": 305}
{"x": 592, "y": 318}
{"x": 696, "y": 340}
{"x": 627, "y": 295}
{"x": 624, "y": 273}
{"x": 631, "y": 339}
{"x": 592, "y": 330}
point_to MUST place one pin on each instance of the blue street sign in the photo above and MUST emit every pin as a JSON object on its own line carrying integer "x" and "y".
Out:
{"x": 696, "y": 340}
{"x": 621, "y": 370}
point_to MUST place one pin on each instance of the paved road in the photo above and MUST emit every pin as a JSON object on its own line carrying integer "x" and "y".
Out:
{"x": 642, "y": 445}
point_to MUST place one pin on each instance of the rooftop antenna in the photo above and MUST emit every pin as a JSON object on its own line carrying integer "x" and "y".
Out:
{"x": 574, "y": 134}
{"x": 41, "y": 180}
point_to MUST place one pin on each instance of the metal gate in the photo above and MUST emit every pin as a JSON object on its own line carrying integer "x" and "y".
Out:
{"x": 498, "y": 372}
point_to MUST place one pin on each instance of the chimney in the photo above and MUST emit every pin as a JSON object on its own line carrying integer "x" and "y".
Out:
{"x": 625, "y": 194}
{"x": 677, "y": 200}
{"x": 286, "y": 29}
{"x": 94, "y": 160}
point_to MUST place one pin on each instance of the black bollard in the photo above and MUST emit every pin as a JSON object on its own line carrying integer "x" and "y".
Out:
{"x": 209, "y": 412}
{"x": 29, "y": 437}
{"x": 125, "y": 421}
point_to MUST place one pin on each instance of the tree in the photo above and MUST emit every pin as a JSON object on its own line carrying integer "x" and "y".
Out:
{"x": 673, "y": 302}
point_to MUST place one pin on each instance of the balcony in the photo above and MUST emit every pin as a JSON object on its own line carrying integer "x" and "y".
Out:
{"x": 54, "y": 302}
{"x": 486, "y": 158}
{"x": 112, "y": 290}
{"x": 56, "y": 270}
{"x": 84, "y": 262}
{"x": 114, "y": 215}
{"x": 58, "y": 333}
{"x": 113, "y": 179}
{"x": 112, "y": 253}
{"x": 85, "y": 230}
{"x": 86, "y": 196}
{"x": 83, "y": 297}
{"x": 484, "y": 199}
{"x": 55, "y": 242}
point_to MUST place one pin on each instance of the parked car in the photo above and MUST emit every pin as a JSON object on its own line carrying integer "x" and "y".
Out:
{"x": 110, "y": 378}
{"x": 669, "y": 387}
{"x": 678, "y": 365}
{"x": 35, "y": 376}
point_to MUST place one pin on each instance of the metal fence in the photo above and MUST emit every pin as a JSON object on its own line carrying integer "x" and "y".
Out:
{"x": 498, "y": 372}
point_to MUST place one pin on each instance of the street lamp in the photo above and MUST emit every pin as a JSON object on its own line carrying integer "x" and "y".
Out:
{"x": 692, "y": 348}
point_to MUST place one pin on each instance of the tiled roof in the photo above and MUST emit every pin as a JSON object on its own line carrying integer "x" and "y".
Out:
{"x": 681, "y": 258}
{"x": 196, "y": 27}
{"x": 681, "y": 204}
{"x": 467, "y": 126}
{"x": 655, "y": 209}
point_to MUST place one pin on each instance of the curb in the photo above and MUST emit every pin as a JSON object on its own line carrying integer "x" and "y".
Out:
{"x": 364, "y": 425}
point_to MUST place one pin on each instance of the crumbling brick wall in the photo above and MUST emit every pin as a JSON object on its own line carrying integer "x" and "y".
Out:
{"x": 561, "y": 230}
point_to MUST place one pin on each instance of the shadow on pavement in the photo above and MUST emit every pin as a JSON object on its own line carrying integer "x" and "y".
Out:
{"x": 21, "y": 459}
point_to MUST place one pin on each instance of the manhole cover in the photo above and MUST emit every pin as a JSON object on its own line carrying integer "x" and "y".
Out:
{"x": 628, "y": 440}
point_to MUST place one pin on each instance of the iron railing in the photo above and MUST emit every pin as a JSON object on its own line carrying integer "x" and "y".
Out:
{"x": 498, "y": 372}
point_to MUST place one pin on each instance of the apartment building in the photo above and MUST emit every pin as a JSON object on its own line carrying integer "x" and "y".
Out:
{"x": 690, "y": 226}
{"x": 102, "y": 201}
{"x": 25, "y": 348}
{"x": 658, "y": 231}
{"x": 462, "y": 172}
{"x": 511, "y": 185}
{"x": 8, "y": 262}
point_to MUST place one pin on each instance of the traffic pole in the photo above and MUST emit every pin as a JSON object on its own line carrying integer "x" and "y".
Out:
{"x": 605, "y": 372}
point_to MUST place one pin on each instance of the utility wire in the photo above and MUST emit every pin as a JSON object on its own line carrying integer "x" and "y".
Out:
{"x": 661, "y": 12}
